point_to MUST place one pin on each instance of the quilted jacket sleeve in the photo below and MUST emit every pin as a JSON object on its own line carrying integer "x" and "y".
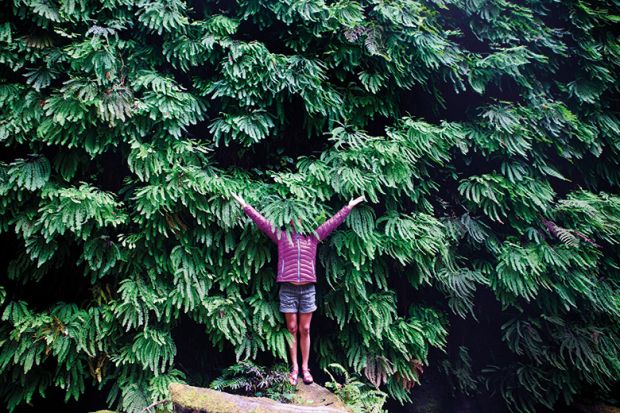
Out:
{"x": 263, "y": 223}
{"x": 331, "y": 224}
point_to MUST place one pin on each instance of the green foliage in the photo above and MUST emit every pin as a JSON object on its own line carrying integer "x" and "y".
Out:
{"x": 485, "y": 136}
{"x": 249, "y": 379}
{"x": 460, "y": 372}
{"x": 358, "y": 396}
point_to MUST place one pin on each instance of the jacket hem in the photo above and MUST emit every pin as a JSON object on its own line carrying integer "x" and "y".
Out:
{"x": 295, "y": 280}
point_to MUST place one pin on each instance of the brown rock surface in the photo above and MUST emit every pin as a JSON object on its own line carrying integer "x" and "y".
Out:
{"x": 596, "y": 408}
{"x": 311, "y": 398}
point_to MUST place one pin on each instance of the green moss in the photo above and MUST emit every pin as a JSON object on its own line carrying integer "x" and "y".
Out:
{"x": 214, "y": 401}
{"x": 187, "y": 396}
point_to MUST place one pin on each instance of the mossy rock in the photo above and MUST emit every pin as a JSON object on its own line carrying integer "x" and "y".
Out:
{"x": 586, "y": 407}
{"x": 308, "y": 398}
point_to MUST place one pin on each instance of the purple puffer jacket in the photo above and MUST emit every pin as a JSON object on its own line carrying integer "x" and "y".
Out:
{"x": 296, "y": 258}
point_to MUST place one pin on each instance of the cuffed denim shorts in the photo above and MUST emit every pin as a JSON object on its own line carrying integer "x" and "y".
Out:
{"x": 297, "y": 298}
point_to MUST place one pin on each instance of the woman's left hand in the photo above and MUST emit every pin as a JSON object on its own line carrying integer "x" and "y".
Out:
{"x": 357, "y": 200}
{"x": 239, "y": 199}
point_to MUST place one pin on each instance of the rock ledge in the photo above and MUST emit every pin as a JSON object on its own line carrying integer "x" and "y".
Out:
{"x": 311, "y": 398}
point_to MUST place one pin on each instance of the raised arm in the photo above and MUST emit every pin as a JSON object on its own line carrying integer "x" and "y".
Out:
{"x": 331, "y": 224}
{"x": 263, "y": 223}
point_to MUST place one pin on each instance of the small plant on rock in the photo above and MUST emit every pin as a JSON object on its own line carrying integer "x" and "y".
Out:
{"x": 248, "y": 379}
{"x": 359, "y": 396}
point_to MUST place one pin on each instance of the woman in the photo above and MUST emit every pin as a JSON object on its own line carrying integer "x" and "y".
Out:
{"x": 296, "y": 275}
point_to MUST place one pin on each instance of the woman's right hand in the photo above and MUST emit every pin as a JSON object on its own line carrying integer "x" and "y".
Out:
{"x": 239, "y": 199}
{"x": 357, "y": 200}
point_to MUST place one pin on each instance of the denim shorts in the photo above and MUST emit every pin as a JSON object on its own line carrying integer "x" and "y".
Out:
{"x": 297, "y": 298}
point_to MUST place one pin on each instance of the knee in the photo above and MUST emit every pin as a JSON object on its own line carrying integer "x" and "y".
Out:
{"x": 292, "y": 328}
{"x": 305, "y": 330}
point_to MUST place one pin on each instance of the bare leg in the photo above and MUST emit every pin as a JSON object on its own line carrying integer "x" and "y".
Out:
{"x": 291, "y": 325}
{"x": 304, "y": 333}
